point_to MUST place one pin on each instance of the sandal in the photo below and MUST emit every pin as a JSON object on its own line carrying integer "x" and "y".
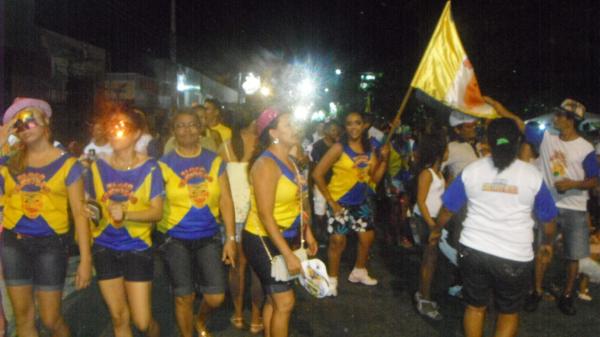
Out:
{"x": 256, "y": 328}
{"x": 202, "y": 332}
{"x": 237, "y": 322}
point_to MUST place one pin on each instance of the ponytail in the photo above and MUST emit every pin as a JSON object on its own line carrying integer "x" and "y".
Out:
{"x": 504, "y": 139}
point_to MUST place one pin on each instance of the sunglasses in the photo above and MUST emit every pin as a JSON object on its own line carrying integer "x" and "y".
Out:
{"x": 25, "y": 121}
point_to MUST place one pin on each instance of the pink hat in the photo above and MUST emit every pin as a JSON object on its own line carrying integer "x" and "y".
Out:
{"x": 265, "y": 118}
{"x": 21, "y": 103}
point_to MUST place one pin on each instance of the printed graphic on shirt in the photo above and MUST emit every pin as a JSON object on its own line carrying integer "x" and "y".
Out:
{"x": 192, "y": 195}
{"x": 32, "y": 185}
{"x": 197, "y": 180}
{"x": 36, "y": 200}
{"x": 558, "y": 162}
{"x": 500, "y": 186}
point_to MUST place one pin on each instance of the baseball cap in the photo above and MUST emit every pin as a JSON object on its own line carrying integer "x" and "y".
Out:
{"x": 457, "y": 118}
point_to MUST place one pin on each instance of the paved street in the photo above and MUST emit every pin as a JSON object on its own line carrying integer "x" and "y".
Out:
{"x": 384, "y": 310}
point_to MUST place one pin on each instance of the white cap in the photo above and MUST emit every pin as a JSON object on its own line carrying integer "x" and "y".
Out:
{"x": 457, "y": 118}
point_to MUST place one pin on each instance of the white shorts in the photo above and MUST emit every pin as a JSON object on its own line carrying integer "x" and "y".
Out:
{"x": 319, "y": 202}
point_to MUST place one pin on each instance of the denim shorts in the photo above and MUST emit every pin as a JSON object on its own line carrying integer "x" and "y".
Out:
{"x": 37, "y": 261}
{"x": 260, "y": 262}
{"x": 134, "y": 265}
{"x": 576, "y": 233}
{"x": 484, "y": 274}
{"x": 198, "y": 260}
{"x": 358, "y": 218}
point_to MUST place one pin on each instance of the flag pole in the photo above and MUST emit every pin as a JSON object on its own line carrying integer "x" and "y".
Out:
{"x": 396, "y": 120}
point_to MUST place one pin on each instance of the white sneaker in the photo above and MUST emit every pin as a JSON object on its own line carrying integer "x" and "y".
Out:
{"x": 333, "y": 283}
{"x": 361, "y": 276}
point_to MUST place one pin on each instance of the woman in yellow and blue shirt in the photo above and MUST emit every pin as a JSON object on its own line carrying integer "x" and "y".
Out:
{"x": 129, "y": 188}
{"x": 197, "y": 196}
{"x": 39, "y": 182}
{"x": 274, "y": 210}
{"x": 356, "y": 171}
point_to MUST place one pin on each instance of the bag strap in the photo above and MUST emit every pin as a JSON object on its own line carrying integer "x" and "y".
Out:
{"x": 301, "y": 195}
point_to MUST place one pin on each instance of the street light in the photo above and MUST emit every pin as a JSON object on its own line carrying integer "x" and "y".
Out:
{"x": 338, "y": 71}
{"x": 251, "y": 84}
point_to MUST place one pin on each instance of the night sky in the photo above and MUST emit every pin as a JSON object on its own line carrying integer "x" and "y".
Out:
{"x": 525, "y": 53}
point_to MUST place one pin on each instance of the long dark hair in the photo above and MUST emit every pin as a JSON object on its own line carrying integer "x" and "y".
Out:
{"x": 431, "y": 149}
{"x": 364, "y": 136}
{"x": 504, "y": 138}
{"x": 241, "y": 121}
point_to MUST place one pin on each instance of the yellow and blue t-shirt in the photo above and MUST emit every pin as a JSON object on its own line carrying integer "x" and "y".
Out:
{"x": 192, "y": 195}
{"x": 286, "y": 209}
{"x": 36, "y": 201}
{"x": 134, "y": 189}
{"x": 399, "y": 161}
{"x": 351, "y": 181}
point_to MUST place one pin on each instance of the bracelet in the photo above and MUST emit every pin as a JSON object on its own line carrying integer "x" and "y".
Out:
{"x": 231, "y": 238}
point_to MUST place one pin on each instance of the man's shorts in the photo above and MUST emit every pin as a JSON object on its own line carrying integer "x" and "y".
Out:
{"x": 134, "y": 265}
{"x": 37, "y": 261}
{"x": 576, "y": 234}
{"x": 358, "y": 218}
{"x": 186, "y": 258}
{"x": 483, "y": 274}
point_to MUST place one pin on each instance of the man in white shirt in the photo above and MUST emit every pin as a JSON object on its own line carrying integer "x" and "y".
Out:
{"x": 568, "y": 164}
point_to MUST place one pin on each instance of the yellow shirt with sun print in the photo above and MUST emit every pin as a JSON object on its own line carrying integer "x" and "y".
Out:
{"x": 192, "y": 193}
{"x": 134, "y": 190}
{"x": 286, "y": 209}
{"x": 351, "y": 182}
{"x": 36, "y": 201}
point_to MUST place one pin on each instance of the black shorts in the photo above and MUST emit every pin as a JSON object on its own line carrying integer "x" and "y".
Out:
{"x": 37, "y": 261}
{"x": 135, "y": 265}
{"x": 484, "y": 274}
{"x": 201, "y": 257}
{"x": 259, "y": 261}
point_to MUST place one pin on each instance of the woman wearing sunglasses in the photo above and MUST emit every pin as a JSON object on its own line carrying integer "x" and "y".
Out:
{"x": 197, "y": 195}
{"x": 129, "y": 188}
{"x": 39, "y": 182}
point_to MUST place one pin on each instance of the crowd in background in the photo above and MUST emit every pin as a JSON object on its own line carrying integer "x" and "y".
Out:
{"x": 219, "y": 194}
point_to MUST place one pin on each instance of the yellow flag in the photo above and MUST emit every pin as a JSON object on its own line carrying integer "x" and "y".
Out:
{"x": 446, "y": 74}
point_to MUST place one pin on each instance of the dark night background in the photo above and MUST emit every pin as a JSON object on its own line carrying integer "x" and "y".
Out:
{"x": 525, "y": 53}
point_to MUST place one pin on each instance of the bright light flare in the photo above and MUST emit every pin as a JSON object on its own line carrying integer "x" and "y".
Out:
{"x": 306, "y": 87}
{"x": 301, "y": 113}
{"x": 338, "y": 71}
{"x": 542, "y": 126}
{"x": 265, "y": 91}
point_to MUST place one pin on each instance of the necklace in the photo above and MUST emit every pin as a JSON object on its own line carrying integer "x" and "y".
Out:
{"x": 128, "y": 166}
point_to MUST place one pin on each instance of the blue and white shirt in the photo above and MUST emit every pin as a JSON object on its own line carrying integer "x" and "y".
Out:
{"x": 575, "y": 160}
{"x": 499, "y": 207}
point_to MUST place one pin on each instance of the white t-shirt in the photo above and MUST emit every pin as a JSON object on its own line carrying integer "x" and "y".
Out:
{"x": 105, "y": 149}
{"x": 142, "y": 144}
{"x": 376, "y": 133}
{"x": 575, "y": 160}
{"x": 434, "y": 196}
{"x": 499, "y": 207}
{"x": 460, "y": 154}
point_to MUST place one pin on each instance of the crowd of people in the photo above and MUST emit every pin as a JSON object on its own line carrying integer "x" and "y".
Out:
{"x": 220, "y": 201}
